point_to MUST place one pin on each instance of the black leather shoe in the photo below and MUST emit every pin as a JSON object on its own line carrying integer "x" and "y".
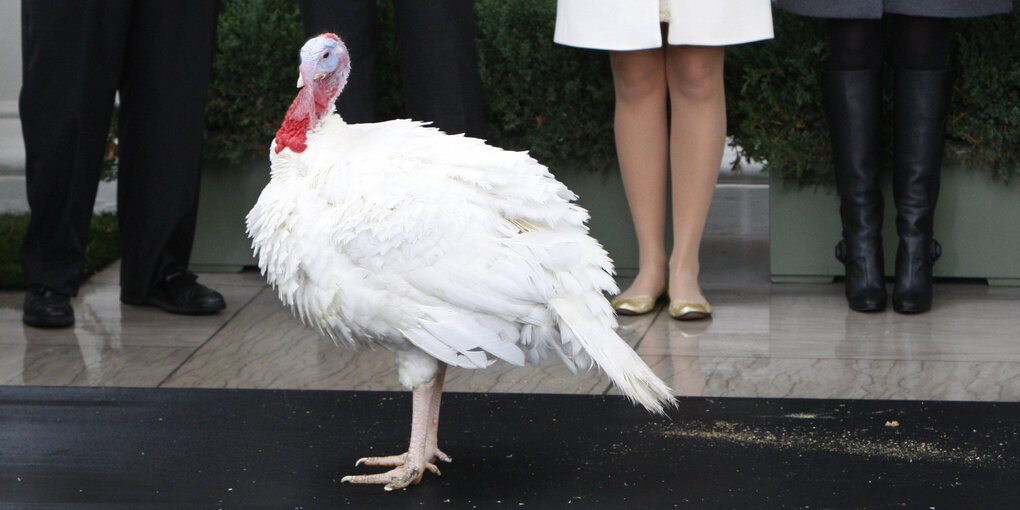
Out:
{"x": 180, "y": 293}
{"x": 47, "y": 308}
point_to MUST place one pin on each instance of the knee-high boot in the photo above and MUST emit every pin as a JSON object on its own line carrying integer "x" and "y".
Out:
{"x": 921, "y": 104}
{"x": 854, "y": 106}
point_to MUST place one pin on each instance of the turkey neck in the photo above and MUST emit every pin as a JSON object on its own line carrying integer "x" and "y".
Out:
{"x": 312, "y": 103}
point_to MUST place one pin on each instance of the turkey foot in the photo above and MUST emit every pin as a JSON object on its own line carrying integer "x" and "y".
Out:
{"x": 398, "y": 460}
{"x": 422, "y": 452}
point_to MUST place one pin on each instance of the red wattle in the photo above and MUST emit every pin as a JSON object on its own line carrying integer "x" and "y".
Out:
{"x": 318, "y": 97}
{"x": 292, "y": 134}
{"x": 293, "y": 131}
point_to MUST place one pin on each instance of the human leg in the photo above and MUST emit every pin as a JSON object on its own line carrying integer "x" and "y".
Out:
{"x": 697, "y": 139}
{"x": 439, "y": 64}
{"x": 71, "y": 63}
{"x": 920, "y": 43}
{"x": 921, "y": 103}
{"x": 641, "y": 144}
{"x": 852, "y": 87}
{"x": 163, "y": 96}
{"x": 356, "y": 22}
{"x": 65, "y": 123}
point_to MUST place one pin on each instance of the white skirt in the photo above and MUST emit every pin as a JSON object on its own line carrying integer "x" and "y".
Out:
{"x": 634, "y": 24}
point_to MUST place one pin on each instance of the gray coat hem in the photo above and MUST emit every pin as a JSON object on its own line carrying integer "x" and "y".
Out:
{"x": 875, "y": 9}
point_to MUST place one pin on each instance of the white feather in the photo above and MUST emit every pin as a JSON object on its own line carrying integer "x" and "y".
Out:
{"x": 399, "y": 235}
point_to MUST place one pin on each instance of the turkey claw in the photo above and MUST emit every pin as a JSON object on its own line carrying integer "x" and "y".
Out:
{"x": 392, "y": 460}
{"x": 397, "y": 460}
{"x": 397, "y": 478}
{"x": 402, "y": 474}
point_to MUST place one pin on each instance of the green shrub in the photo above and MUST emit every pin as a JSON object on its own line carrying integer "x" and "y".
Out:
{"x": 103, "y": 247}
{"x": 554, "y": 101}
{"x": 557, "y": 102}
{"x": 775, "y": 106}
{"x": 255, "y": 69}
{"x": 12, "y": 232}
{"x": 984, "y": 128}
{"x": 253, "y": 77}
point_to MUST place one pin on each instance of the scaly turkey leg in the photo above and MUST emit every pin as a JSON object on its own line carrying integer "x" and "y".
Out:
{"x": 422, "y": 451}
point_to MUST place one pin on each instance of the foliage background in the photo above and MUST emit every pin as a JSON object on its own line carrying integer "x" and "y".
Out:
{"x": 554, "y": 101}
{"x": 775, "y": 110}
{"x": 557, "y": 102}
{"x": 103, "y": 246}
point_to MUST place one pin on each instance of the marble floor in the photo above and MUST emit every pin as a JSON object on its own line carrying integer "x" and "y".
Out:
{"x": 766, "y": 340}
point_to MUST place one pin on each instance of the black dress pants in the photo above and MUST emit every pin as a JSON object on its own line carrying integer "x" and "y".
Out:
{"x": 437, "y": 51}
{"x": 76, "y": 56}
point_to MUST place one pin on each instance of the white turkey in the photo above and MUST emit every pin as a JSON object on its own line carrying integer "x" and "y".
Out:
{"x": 439, "y": 248}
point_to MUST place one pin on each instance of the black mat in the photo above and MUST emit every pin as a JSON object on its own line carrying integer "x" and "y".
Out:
{"x": 151, "y": 448}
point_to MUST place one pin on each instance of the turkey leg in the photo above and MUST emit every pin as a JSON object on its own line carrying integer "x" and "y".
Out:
{"x": 422, "y": 451}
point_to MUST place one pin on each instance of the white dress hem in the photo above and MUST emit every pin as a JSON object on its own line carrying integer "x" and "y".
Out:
{"x": 625, "y": 25}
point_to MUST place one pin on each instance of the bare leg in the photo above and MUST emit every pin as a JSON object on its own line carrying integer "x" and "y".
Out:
{"x": 422, "y": 451}
{"x": 697, "y": 139}
{"x": 641, "y": 143}
{"x": 432, "y": 439}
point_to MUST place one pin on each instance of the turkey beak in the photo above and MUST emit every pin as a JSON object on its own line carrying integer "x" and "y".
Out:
{"x": 305, "y": 73}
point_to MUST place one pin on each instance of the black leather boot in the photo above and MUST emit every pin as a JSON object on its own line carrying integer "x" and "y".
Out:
{"x": 854, "y": 106}
{"x": 921, "y": 100}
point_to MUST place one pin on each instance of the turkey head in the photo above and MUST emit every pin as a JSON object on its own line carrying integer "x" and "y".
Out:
{"x": 325, "y": 66}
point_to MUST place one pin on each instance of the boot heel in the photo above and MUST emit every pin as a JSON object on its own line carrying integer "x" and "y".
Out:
{"x": 865, "y": 286}
{"x": 912, "y": 292}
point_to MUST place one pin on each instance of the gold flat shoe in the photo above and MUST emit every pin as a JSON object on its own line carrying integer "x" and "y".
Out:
{"x": 637, "y": 305}
{"x": 689, "y": 310}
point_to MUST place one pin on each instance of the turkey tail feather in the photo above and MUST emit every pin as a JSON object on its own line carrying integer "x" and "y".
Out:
{"x": 612, "y": 354}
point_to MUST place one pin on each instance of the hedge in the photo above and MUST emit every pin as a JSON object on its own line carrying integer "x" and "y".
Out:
{"x": 253, "y": 76}
{"x": 776, "y": 116}
{"x": 557, "y": 102}
{"x": 102, "y": 249}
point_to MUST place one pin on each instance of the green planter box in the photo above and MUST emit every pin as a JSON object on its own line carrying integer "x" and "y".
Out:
{"x": 977, "y": 221}
{"x": 228, "y": 192}
{"x": 603, "y": 196}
